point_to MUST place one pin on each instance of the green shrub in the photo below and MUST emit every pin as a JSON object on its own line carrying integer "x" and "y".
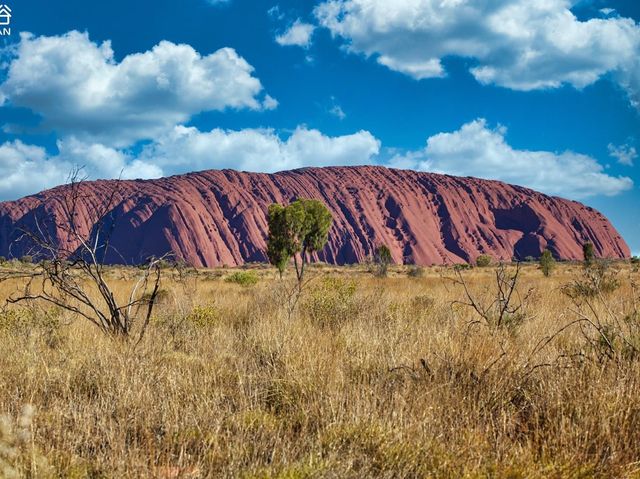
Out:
{"x": 25, "y": 323}
{"x": 382, "y": 259}
{"x": 415, "y": 272}
{"x": 598, "y": 278}
{"x": 243, "y": 278}
{"x": 204, "y": 316}
{"x": 589, "y": 254}
{"x": 483, "y": 261}
{"x": 14, "y": 320}
{"x": 635, "y": 260}
{"x": 547, "y": 262}
{"x": 331, "y": 303}
{"x": 461, "y": 267}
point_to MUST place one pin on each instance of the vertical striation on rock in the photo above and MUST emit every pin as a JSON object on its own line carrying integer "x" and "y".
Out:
{"x": 214, "y": 218}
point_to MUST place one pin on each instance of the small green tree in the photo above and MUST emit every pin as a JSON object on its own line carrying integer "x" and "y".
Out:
{"x": 547, "y": 262}
{"x": 483, "y": 261}
{"x": 588, "y": 253}
{"x": 297, "y": 230}
{"x": 278, "y": 243}
{"x": 382, "y": 259}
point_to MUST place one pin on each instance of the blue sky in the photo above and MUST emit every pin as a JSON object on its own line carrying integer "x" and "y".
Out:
{"x": 544, "y": 93}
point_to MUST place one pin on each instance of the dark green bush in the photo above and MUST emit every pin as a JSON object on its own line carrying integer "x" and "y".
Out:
{"x": 415, "y": 272}
{"x": 547, "y": 262}
{"x": 461, "y": 267}
{"x": 484, "y": 260}
{"x": 382, "y": 259}
{"x": 588, "y": 253}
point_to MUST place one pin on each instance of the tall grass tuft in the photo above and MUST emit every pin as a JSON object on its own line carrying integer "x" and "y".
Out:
{"x": 356, "y": 377}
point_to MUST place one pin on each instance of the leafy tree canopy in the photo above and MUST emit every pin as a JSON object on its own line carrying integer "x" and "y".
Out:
{"x": 298, "y": 229}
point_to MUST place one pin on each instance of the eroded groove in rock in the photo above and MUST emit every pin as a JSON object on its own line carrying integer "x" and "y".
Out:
{"x": 215, "y": 218}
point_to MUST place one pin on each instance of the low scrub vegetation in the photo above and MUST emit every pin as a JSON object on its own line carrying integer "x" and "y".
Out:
{"x": 243, "y": 278}
{"x": 483, "y": 261}
{"x": 485, "y": 372}
{"x": 547, "y": 262}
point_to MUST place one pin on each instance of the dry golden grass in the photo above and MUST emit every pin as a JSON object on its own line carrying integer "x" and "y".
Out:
{"x": 366, "y": 377}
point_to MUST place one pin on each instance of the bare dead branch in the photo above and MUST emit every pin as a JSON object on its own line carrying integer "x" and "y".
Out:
{"x": 70, "y": 277}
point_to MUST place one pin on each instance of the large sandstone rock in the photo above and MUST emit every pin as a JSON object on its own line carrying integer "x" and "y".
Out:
{"x": 216, "y": 218}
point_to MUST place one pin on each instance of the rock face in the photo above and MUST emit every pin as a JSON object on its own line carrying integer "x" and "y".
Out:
{"x": 217, "y": 218}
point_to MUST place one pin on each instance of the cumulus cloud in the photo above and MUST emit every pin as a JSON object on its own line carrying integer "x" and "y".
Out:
{"x": 298, "y": 34}
{"x": 79, "y": 88}
{"x": 187, "y": 149}
{"x": 518, "y": 44}
{"x": 480, "y": 151}
{"x": 624, "y": 154}
{"x": 474, "y": 150}
{"x": 270, "y": 103}
{"x": 629, "y": 79}
{"x": 103, "y": 162}
{"x": 26, "y": 169}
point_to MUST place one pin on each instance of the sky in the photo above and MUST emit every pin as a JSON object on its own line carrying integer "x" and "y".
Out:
{"x": 540, "y": 93}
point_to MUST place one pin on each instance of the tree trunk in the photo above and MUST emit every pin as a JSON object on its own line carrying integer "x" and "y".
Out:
{"x": 295, "y": 262}
{"x": 300, "y": 267}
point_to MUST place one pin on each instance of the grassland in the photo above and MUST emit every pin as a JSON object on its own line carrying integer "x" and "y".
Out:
{"x": 360, "y": 377}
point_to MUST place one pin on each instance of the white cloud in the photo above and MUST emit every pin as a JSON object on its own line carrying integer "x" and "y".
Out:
{"x": 27, "y": 169}
{"x": 270, "y": 103}
{"x": 477, "y": 150}
{"x": 80, "y": 89}
{"x": 188, "y": 149}
{"x": 624, "y": 154}
{"x": 275, "y": 12}
{"x": 338, "y": 112}
{"x": 103, "y": 162}
{"x": 474, "y": 150}
{"x": 298, "y": 34}
{"x": 518, "y": 44}
{"x": 629, "y": 79}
